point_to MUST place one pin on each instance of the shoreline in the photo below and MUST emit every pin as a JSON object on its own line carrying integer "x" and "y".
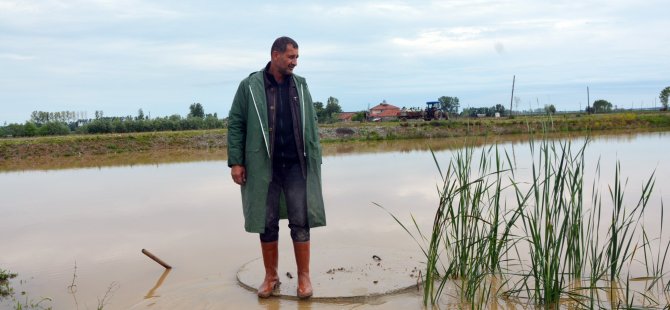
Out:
{"x": 138, "y": 148}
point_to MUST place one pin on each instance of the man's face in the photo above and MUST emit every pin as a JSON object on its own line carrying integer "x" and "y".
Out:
{"x": 286, "y": 61}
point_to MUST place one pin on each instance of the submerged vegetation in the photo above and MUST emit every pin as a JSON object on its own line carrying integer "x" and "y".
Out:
{"x": 5, "y": 289}
{"x": 530, "y": 234}
{"x": 22, "y": 301}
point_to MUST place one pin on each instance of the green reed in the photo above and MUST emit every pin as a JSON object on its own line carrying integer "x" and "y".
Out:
{"x": 477, "y": 234}
{"x": 553, "y": 221}
{"x": 624, "y": 222}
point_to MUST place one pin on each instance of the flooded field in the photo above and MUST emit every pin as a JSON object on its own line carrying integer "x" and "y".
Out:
{"x": 74, "y": 233}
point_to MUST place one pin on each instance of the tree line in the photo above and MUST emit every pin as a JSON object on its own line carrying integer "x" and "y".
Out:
{"x": 44, "y": 123}
{"x": 451, "y": 105}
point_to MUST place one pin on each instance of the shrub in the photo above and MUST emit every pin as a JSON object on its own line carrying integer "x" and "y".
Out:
{"x": 53, "y": 129}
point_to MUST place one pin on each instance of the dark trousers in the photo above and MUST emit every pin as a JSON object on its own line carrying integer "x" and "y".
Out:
{"x": 287, "y": 178}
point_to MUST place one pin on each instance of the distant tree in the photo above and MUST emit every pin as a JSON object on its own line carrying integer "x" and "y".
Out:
{"x": 449, "y": 104}
{"x": 475, "y": 112}
{"x": 140, "y": 114}
{"x": 196, "y": 110}
{"x": 602, "y": 106}
{"x": 39, "y": 117}
{"x": 327, "y": 114}
{"x": 550, "y": 109}
{"x": 664, "y": 97}
{"x": 498, "y": 108}
{"x": 318, "y": 108}
{"x": 466, "y": 112}
{"x": 359, "y": 117}
{"x": 42, "y": 117}
{"x": 16, "y": 130}
{"x": 53, "y": 129}
{"x": 29, "y": 129}
{"x": 99, "y": 114}
{"x": 333, "y": 106}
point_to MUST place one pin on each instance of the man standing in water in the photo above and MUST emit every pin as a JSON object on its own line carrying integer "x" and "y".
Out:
{"x": 275, "y": 156}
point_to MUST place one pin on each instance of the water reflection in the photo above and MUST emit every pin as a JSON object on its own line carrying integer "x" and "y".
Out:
{"x": 329, "y": 149}
{"x": 190, "y": 213}
{"x": 152, "y": 291}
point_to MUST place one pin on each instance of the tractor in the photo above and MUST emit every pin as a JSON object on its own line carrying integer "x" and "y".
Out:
{"x": 433, "y": 111}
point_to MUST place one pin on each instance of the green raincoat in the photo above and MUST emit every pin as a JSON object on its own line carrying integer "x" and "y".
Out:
{"x": 248, "y": 145}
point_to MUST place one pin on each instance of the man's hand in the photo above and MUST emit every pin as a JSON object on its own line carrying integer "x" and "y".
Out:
{"x": 239, "y": 174}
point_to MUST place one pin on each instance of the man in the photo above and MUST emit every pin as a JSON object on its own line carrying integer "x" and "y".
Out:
{"x": 275, "y": 156}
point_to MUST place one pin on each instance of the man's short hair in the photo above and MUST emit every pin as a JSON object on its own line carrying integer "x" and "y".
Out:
{"x": 280, "y": 44}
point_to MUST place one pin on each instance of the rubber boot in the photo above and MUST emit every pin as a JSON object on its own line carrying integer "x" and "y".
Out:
{"x": 301, "y": 250}
{"x": 270, "y": 261}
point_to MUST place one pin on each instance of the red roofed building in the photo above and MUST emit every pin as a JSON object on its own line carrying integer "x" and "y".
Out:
{"x": 345, "y": 116}
{"x": 384, "y": 111}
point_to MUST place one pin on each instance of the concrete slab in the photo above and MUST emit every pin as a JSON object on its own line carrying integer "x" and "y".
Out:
{"x": 343, "y": 273}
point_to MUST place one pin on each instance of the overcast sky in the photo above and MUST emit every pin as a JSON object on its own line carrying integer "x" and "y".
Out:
{"x": 122, "y": 55}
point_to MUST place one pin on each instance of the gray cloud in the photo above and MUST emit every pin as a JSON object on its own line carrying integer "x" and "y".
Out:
{"x": 119, "y": 56}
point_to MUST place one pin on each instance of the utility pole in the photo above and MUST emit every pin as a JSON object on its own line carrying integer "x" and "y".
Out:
{"x": 512, "y": 98}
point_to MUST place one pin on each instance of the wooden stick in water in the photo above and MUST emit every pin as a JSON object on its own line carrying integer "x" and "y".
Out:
{"x": 156, "y": 259}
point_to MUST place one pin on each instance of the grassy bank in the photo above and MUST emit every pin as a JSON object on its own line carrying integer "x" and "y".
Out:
{"x": 86, "y": 145}
{"x": 502, "y": 126}
{"x": 204, "y": 140}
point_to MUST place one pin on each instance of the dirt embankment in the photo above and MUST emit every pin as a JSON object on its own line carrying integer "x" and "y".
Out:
{"x": 20, "y": 149}
{"x": 216, "y": 140}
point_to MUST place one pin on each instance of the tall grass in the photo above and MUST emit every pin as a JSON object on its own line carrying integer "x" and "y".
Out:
{"x": 624, "y": 223}
{"x": 471, "y": 227}
{"x": 478, "y": 238}
{"x": 552, "y": 225}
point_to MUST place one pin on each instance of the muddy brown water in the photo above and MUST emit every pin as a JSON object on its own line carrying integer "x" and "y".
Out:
{"x": 75, "y": 232}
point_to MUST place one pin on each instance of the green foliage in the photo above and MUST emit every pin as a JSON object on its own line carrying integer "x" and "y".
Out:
{"x": 7, "y": 292}
{"x": 474, "y": 112}
{"x": 171, "y": 123}
{"x": 333, "y": 106}
{"x": 15, "y": 130}
{"x": 53, "y": 129}
{"x": 196, "y": 110}
{"x": 327, "y": 114}
{"x": 664, "y": 97}
{"x": 553, "y": 222}
{"x": 140, "y": 114}
{"x": 499, "y": 108}
{"x": 318, "y": 108}
{"x": 475, "y": 235}
{"x": 43, "y": 117}
{"x": 449, "y": 104}
{"x": 5, "y": 289}
{"x": 30, "y": 129}
{"x": 359, "y": 117}
{"x": 550, "y": 109}
{"x": 602, "y": 106}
